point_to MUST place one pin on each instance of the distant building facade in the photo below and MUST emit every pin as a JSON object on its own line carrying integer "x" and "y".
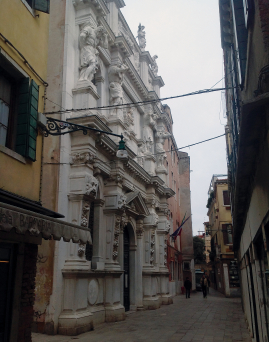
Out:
{"x": 245, "y": 41}
{"x": 130, "y": 205}
{"x": 224, "y": 263}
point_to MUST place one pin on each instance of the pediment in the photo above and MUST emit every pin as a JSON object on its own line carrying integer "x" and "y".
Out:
{"x": 135, "y": 202}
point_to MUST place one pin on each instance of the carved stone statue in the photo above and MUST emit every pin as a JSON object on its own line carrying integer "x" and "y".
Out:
{"x": 161, "y": 136}
{"x": 141, "y": 34}
{"x": 89, "y": 38}
{"x": 115, "y": 77}
{"x": 154, "y": 65}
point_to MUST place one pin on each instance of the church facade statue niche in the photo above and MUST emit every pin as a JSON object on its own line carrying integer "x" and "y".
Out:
{"x": 115, "y": 78}
{"x": 154, "y": 65}
{"x": 141, "y": 35}
{"x": 89, "y": 38}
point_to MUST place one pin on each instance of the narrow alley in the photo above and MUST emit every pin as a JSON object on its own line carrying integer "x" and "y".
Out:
{"x": 196, "y": 319}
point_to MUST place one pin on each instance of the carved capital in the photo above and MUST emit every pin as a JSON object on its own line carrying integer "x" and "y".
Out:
{"x": 139, "y": 228}
{"x": 82, "y": 158}
{"x": 81, "y": 250}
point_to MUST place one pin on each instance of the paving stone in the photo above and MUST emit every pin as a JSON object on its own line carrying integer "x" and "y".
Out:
{"x": 213, "y": 319}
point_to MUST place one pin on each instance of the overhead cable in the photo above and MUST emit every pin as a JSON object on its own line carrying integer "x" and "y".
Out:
{"x": 180, "y": 148}
{"x": 131, "y": 104}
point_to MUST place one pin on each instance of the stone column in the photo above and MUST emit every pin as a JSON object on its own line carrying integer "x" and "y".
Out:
{"x": 98, "y": 236}
{"x": 226, "y": 280}
{"x": 139, "y": 268}
{"x": 112, "y": 17}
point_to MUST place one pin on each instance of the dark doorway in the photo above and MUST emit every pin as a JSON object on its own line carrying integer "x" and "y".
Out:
{"x": 126, "y": 263}
{"x": 7, "y": 272}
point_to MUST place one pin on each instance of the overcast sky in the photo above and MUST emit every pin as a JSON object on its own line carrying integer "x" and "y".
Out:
{"x": 185, "y": 34}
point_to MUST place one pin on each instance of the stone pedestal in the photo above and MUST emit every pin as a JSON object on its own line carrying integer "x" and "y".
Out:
{"x": 76, "y": 317}
{"x": 85, "y": 95}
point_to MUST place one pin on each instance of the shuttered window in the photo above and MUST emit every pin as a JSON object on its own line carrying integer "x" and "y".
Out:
{"x": 27, "y": 119}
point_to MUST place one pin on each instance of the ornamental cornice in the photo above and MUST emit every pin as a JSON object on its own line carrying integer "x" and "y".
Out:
{"x": 127, "y": 28}
{"x": 119, "y": 3}
{"x": 99, "y": 5}
{"x": 92, "y": 121}
{"x": 110, "y": 34}
{"x": 145, "y": 56}
{"x": 121, "y": 43}
{"x": 138, "y": 171}
{"x": 158, "y": 80}
{"x": 133, "y": 74}
{"x": 101, "y": 167}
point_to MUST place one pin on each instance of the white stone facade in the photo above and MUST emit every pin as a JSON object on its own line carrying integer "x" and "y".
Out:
{"x": 94, "y": 61}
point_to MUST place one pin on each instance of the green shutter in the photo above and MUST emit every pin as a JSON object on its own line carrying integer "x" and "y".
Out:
{"x": 22, "y": 121}
{"x": 33, "y": 110}
{"x": 27, "y": 119}
{"x": 42, "y": 5}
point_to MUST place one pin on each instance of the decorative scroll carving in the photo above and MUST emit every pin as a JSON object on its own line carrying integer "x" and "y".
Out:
{"x": 129, "y": 118}
{"x": 84, "y": 223}
{"x": 81, "y": 250}
{"x": 115, "y": 78}
{"x": 141, "y": 34}
{"x": 154, "y": 66}
{"x": 167, "y": 227}
{"x": 124, "y": 221}
{"x": 89, "y": 38}
{"x": 82, "y": 158}
{"x": 139, "y": 228}
{"x": 155, "y": 218}
{"x": 152, "y": 244}
{"x": 91, "y": 185}
{"x": 165, "y": 251}
{"x": 116, "y": 238}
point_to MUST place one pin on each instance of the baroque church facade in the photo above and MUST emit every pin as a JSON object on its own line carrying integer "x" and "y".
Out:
{"x": 95, "y": 61}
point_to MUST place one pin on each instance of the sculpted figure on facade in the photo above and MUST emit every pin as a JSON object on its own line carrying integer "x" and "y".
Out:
{"x": 154, "y": 65}
{"x": 141, "y": 34}
{"x": 89, "y": 38}
{"x": 161, "y": 136}
{"x": 115, "y": 78}
{"x": 122, "y": 202}
{"x": 91, "y": 185}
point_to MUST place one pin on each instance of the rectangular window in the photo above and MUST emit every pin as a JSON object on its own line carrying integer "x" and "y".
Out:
{"x": 18, "y": 110}
{"x": 226, "y": 198}
{"x": 227, "y": 234}
{"x": 39, "y": 5}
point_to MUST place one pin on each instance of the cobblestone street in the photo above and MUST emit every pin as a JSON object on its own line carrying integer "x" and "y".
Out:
{"x": 196, "y": 319}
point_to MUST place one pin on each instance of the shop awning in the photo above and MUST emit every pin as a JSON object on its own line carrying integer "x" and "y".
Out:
{"x": 26, "y": 221}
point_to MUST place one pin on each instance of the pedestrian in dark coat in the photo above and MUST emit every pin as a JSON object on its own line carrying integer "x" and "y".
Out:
{"x": 187, "y": 285}
{"x": 203, "y": 283}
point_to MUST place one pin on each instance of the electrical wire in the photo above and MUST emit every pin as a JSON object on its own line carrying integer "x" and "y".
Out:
{"x": 132, "y": 104}
{"x": 55, "y": 103}
{"x": 180, "y": 148}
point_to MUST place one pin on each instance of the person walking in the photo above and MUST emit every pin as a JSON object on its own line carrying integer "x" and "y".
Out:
{"x": 203, "y": 283}
{"x": 187, "y": 285}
